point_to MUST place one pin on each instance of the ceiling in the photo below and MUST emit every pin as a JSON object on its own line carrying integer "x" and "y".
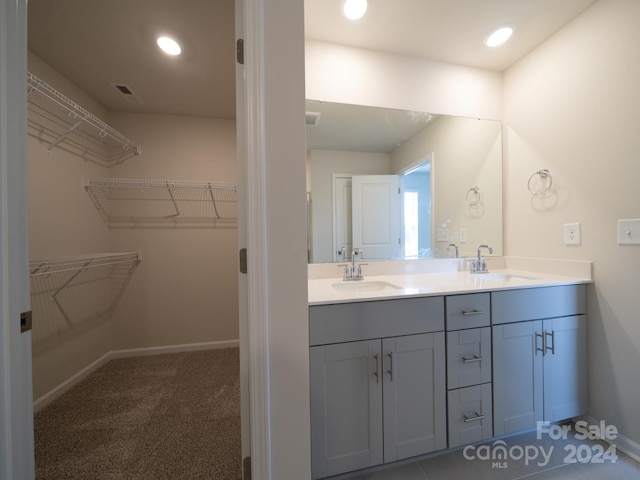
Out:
{"x": 95, "y": 43}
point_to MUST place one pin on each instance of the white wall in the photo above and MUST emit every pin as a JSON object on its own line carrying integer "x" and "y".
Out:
{"x": 64, "y": 222}
{"x": 186, "y": 288}
{"x": 323, "y": 164}
{"x": 337, "y": 73}
{"x": 572, "y": 106}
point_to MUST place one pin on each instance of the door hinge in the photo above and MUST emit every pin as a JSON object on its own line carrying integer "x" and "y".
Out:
{"x": 240, "y": 51}
{"x": 25, "y": 321}
{"x": 246, "y": 468}
{"x": 243, "y": 260}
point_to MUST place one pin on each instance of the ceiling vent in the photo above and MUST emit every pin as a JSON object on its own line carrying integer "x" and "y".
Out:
{"x": 312, "y": 119}
{"x": 127, "y": 93}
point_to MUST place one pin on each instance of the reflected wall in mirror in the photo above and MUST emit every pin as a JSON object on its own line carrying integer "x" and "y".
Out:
{"x": 401, "y": 184}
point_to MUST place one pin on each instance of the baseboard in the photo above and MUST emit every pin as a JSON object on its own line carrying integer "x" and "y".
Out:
{"x": 51, "y": 395}
{"x": 188, "y": 347}
{"x": 622, "y": 443}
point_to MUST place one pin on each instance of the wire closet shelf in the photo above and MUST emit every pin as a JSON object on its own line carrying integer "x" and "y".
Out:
{"x": 58, "y": 121}
{"x": 74, "y": 266}
{"x": 127, "y": 201}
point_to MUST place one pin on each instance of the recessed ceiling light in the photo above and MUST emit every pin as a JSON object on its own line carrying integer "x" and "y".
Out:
{"x": 169, "y": 46}
{"x": 500, "y": 36}
{"x": 354, "y": 9}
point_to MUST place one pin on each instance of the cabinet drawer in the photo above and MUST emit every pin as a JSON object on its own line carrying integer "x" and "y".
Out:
{"x": 470, "y": 417}
{"x": 468, "y": 311}
{"x": 468, "y": 357}
{"x": 537, "y": 303}
{"x": 348, "y": 322}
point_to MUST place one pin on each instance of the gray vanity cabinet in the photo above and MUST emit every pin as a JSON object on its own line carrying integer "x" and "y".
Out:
{"x": 469, "y": 368}
{"x": 376, "y": 397}
{"x": 539, "y": 356}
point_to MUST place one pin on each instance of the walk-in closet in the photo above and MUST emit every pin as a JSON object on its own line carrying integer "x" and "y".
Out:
{"x": 133, "y": 238}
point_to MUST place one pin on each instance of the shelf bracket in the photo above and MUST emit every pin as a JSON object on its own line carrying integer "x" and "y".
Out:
{"x": 175, "y": 205}
{"x": 65, "y": 134}
{"x": 80, "y": 270}
{"x": 215, "y": 207}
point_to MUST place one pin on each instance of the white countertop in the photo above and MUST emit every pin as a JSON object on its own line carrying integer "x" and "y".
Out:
{"x": 406, "y": 285}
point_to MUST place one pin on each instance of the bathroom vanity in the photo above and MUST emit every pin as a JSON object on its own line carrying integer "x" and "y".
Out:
{"x": 411, "y": 364}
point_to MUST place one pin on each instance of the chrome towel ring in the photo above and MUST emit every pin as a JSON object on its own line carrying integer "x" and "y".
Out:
{"x": 547, "y": 181}
{"x": 473, "y": 196}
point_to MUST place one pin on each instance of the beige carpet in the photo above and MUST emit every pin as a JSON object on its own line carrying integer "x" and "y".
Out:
{"x": 172, "y": 417}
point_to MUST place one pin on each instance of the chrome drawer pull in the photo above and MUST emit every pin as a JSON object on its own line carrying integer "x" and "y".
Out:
{"x": 472, "y": 312}
{"x": 474, "y": 418}
{"x": 475, "y": 358}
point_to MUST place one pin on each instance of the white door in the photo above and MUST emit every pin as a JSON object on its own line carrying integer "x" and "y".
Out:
{"x": 16, "y": 396}
{"x": 376, "y": 216}
{"x": 342, "y": 219}
{"x": 243, "y": 310}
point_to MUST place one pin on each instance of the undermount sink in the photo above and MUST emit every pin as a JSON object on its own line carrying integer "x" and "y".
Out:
{"x": 364, "y": 286}
{"x": 503, "y": 277}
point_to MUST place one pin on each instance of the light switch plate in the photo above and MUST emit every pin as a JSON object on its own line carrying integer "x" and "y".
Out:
{"x": 443, "y": 235}
{"x": 463, "y": 235}
{"x": 572, "y": 234}
{"x": 629, "y": 231}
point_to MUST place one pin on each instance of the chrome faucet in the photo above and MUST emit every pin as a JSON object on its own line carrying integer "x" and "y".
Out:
{"x": 479, "y": 264}
{"x": 454, "y": 246}
{"x": 353, "y": 271}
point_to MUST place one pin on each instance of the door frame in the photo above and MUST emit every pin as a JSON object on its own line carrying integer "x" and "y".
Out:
{"x": 16, "y": 395}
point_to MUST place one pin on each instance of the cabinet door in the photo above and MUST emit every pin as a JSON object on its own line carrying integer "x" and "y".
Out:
{"x": 565, "y": 368}
{"x": 517, "y": 376}
{"x": 414, "y": 395}
{"x": 346, "y": 407}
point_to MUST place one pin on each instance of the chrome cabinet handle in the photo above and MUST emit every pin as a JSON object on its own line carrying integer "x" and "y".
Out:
{"x": 475, "y": 358}
{"x": 377, "y": 372}
{"x": 477, "y": 416}
{"x": 553, "y": 341}
{"x": 472, "y": 312}
{"x": 390, "y": 371}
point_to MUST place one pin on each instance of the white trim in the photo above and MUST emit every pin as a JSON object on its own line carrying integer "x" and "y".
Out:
{"x": 58, "y": 391}
{"x": 187, "y": 347}
{"x": 622, "y": 443}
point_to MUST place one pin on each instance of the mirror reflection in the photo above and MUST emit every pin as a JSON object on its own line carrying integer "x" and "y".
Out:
{"x": 400, "y": 184}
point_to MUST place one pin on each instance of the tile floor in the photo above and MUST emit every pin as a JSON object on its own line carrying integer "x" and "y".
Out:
{"x": 552, "y": 462}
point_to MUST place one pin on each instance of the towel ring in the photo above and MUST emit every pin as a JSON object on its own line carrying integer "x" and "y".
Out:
{"x": 473, "y": 196}
{"x": 543, "y": 174}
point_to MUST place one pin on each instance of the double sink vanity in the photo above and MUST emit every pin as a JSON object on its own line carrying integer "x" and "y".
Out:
{"x": 409, "y": 361}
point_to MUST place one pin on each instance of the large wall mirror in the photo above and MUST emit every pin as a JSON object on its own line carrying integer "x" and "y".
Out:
{"x": 401, "y": 184}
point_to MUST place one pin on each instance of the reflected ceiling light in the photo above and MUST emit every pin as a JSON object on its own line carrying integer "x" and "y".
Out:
{"x": 500, "y": 36}
{"x": 169, "y": 46}
{"x": 354, "y": 9}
